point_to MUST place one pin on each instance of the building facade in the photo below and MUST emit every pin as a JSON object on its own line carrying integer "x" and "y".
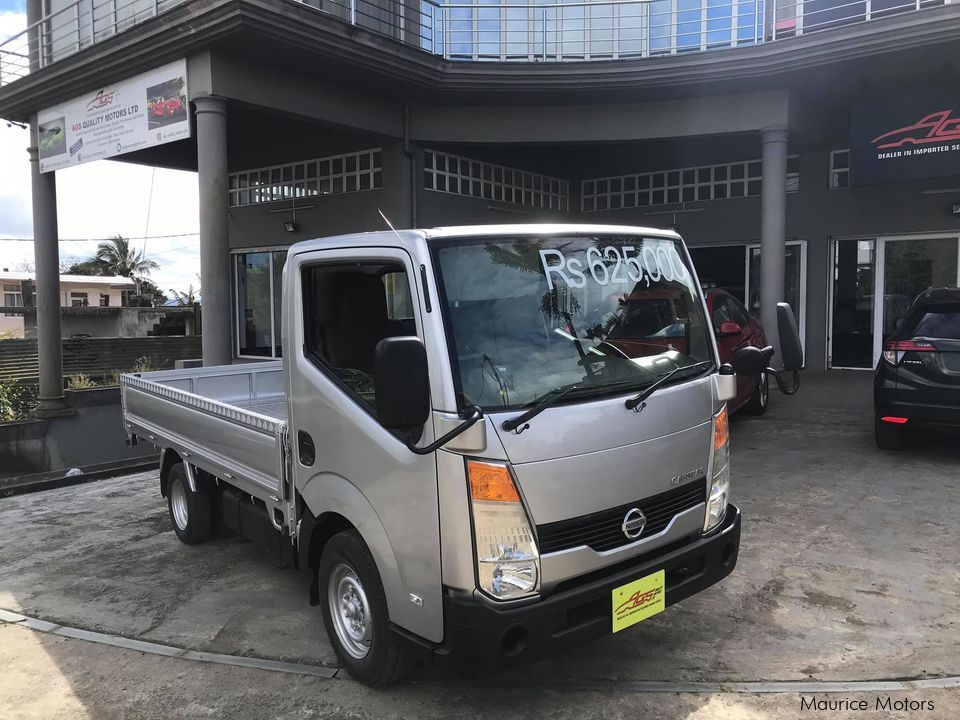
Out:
{"x": 807, "y": 150}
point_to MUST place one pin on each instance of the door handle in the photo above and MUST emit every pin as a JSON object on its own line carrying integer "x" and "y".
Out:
{"x": 305, "y": 448}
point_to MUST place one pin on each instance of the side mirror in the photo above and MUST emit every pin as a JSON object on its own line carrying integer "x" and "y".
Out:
{"x": 790, "y": 347}
{"x": 402, "y": 383}
{"x": 729, "y": 329}
{"x": 752, "y": 360}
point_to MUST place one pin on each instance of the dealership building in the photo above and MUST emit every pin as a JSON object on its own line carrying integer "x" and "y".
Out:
{"x": 807, "y": 150}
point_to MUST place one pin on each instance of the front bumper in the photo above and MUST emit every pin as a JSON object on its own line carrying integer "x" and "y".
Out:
{"x": 479, "y": 632}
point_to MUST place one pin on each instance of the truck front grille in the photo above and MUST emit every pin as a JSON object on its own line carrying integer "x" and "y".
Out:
{"x": 602, "y": 530}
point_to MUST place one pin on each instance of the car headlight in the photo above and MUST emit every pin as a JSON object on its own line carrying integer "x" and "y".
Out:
{"x": 508, "y": 563}
{"x": 720, "y": 483}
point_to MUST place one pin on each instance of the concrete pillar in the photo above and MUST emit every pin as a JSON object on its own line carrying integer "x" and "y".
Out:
{"x": 46, "y": 260}
{"x": 214, "y": 245}
{"x": 773, "y": 231}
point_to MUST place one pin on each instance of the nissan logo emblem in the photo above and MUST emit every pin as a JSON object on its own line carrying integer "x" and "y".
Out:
{"x": 633, "y": 523}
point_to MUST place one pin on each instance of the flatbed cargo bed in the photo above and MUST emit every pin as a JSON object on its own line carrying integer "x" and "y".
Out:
{"x": 229, "y": 420}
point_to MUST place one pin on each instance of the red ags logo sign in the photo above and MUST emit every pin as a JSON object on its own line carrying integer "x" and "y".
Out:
{"x": 102, "y": 99}
{"x": 934, "y": 128}
{"x": 639, "y": 600}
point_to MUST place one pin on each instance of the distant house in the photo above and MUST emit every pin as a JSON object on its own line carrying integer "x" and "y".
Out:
{"x": 92, "y": 306}
{"x": 75, "y": 290}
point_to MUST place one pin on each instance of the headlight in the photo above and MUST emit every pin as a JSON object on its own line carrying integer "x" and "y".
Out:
{"x": 508, "y": 563}
{"x": 720, "y": 484}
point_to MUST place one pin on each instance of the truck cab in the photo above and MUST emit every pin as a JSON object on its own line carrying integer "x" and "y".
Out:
{"x": 492, "y": 442}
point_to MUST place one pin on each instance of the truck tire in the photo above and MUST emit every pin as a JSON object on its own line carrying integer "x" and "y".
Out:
{"x": 354, "y": 608}
{"x": 190, "y": 512}
{"x": 888, "y": 436}
{"x": 757, "y": 404}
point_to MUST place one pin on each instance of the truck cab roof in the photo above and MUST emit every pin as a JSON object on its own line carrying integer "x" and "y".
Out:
{"x": 379, "y": 237}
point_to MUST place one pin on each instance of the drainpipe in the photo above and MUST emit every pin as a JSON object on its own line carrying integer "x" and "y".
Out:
{"x": 412, "y": 158}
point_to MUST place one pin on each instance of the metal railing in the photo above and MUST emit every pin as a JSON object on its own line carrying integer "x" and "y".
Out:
{"x": 511, "y": 30}
{"x": 71, "y": 29}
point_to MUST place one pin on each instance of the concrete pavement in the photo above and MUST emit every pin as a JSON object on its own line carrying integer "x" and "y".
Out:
{"x": 50, "y": 678}
{"x": 847, "y": 572}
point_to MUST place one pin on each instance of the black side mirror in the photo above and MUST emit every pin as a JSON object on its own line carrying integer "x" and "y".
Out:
{"x": 790, "y": 347}
{"x": 402, "y": 383}
{"x": 752, "y": 360}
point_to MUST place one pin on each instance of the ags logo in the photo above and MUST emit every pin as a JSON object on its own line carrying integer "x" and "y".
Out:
{"x": 101, "y": 100}
{"x": 639, "y": 599}
{"x": 936, "y": 127}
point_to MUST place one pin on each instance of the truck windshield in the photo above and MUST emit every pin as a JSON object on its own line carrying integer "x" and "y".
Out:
{"x": 528, "y": 315}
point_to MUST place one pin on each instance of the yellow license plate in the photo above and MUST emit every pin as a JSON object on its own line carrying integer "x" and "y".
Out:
{"x": 638, "y": 600}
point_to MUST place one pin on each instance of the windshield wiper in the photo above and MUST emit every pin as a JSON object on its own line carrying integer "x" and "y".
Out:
{"x": 554, "y": 396}
{"x": 542, "y": 404}
{"x": 633, "y": 402}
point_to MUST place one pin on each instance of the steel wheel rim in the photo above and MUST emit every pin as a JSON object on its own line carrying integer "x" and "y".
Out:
{"x": 764, "y": 390}
{"x": 178, "y": 505}
{"x": 350, "y": 611}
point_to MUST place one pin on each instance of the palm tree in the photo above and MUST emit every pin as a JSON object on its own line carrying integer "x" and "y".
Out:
{"x": 187, "y": 297}
{"x": 117, "y": 257}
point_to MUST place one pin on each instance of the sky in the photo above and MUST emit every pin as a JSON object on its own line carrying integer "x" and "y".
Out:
{"x": 99, "y": 199}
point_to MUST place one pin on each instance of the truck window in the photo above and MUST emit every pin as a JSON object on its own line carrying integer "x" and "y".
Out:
{"x": 399, "y": 303}
{"x": 348, "y": 309}
{"x": 530, "y": 314}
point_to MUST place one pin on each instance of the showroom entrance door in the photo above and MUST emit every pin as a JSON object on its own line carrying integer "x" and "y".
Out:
{"x": 906, "y": 266}
{"x": 874, "y": 282}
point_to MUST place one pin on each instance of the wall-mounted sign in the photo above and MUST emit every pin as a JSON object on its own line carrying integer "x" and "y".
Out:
{"x": 904, "y": 137}
{"x": 146, "y": 110}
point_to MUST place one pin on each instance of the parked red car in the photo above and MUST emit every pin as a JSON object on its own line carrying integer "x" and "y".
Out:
{"x": 734, "y": 328}
{"x": 166, "y": 108}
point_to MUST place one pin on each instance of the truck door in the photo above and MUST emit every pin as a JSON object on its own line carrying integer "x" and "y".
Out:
{"x": 343, "y": 302}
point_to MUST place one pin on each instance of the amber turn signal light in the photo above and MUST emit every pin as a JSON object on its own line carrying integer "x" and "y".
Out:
{"x": 721, "y": 429}
{"x": 491, "y": 482}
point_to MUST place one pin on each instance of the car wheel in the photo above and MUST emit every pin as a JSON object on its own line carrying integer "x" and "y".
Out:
{"x": 887, "y": 435}
{"x": 354, "y": 608}
{"x": 757, "y": 405}
{"x": 190, "y": 512}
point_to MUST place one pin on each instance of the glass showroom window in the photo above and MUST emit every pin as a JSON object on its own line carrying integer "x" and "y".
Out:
{"x": 257, "y": 280}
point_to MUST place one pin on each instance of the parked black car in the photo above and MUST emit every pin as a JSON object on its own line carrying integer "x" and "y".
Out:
{"x": 917, "y": 383}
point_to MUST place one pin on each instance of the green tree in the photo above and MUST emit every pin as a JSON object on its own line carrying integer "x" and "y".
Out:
{"x": 116, "y": 256}
{"x": 185, "y": 297}
{"x": 148, "y": 295}
{"x": 119, "y": 258}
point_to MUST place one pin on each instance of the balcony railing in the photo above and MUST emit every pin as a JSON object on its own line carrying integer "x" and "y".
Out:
{"x": 71, "y": 29}
{"x": 514, "y": 30}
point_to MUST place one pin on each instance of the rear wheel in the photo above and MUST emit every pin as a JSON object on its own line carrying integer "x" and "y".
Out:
{"x": 354, "y": 608}
{"x": 887, "y": 435}
{"x": 190, "y": 511}
{"x": 757, "y": 405}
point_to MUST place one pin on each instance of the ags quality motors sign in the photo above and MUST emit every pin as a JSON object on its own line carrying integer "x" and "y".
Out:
{"x": 904, "y": 138}
{"x": 147, "y": 110}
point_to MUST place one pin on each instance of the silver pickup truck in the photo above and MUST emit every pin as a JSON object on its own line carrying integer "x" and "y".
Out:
{"x": 484, "y": 444}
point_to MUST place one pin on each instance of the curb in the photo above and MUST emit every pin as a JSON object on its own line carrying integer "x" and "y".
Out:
{"x": 58, "y": 478}
{"x": 634, "y": 686}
